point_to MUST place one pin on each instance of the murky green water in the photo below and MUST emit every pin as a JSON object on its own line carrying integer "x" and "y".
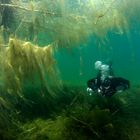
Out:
{"x": 47, "y": 53}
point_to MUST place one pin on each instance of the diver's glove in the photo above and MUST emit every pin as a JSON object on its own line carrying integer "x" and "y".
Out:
{"x": 89, "y": 91}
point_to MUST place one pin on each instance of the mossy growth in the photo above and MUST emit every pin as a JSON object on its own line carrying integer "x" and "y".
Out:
{"x": 79, "y": 120}
{"x": 9, "y": 123}
{"x": 43, "y": 129}
{"x": 80, "y": 125}
{"x": 86, "y": 124}
{"x": 25, "y": 64}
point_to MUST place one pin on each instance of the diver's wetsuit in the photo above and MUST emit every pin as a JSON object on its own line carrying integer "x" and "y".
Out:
{"x": 110, "y": 85}
{"x": 106, "y": 83}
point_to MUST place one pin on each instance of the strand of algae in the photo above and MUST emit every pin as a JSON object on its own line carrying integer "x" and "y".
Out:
{"x": 87, "y": 125}
{"x": 103, "y": 14}
{"x": 23, "y": 62}
{"x": 27, "y": 9}
{"x": 59, "y": 29}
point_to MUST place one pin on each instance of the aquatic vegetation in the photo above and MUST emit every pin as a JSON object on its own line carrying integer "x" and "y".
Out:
{"x": 66, "y": 25}
{"x": 80, "y": 123}
{"x": 8, "y": 119}
{"x": 78, "y": 126}
{"x": 24, "y": 63}
{"x": 23, "y": 66}
{"x": 33, "y": 103}
{"x": 43, "y": 129}
{"x": 88, "y": 123}
{"x": 79, "y": 120}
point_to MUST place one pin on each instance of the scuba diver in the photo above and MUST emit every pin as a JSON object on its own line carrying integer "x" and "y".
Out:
{"x": 106, "y": 83}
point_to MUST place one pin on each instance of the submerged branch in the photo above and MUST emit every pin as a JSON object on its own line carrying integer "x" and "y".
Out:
{"x": 106, "y": 11}
{"x": 27, "y": 9}
{"x": 74, "y": 99}
{"x": 115, "y": 112}
{"x": 87, "y": 125}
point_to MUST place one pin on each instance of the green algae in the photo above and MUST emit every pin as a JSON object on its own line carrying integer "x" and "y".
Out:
{"x": 80, "y": 119}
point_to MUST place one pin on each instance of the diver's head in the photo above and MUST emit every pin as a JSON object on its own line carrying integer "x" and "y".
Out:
{"x": 98, "y": 65}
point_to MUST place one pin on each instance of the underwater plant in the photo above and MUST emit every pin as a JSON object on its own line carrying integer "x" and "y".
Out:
{"x": 76, "y": 126}
{"x": 80, "y": 123}
{"x": 30, "y": 86}
{"x": 23, "y": 64}
{"x": 66, "y": 25}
